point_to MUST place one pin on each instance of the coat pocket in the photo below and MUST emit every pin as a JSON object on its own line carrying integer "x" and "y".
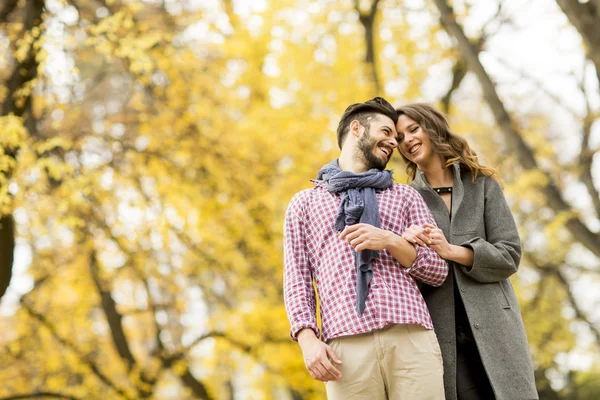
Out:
{"x": 502, "y": 296}
{"x": 458, "y": 238}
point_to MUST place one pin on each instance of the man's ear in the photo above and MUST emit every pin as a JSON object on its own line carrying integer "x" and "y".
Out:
{"x": 355, "y": 128}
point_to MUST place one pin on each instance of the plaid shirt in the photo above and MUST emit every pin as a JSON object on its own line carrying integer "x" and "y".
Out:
{"x": 313, "y": 250}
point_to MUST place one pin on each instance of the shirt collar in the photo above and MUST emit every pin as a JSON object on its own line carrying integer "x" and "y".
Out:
{"x": 318, "y": 183}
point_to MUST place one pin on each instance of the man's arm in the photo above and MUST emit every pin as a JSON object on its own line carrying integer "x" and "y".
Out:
{"x": 300, "y": 303}
{"x": 299, "y": 294}
{"x": 366, "y": 236}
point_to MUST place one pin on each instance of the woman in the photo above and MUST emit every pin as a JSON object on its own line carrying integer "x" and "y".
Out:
{"x": 475, "y": 312}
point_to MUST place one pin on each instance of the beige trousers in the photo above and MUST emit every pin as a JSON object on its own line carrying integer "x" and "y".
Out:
{"x": 398, "y": 362}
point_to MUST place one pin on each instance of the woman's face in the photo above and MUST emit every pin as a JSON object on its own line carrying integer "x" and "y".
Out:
{"x": 414, "y": 142}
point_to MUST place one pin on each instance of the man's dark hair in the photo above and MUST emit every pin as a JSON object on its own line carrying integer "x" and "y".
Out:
{"x": 364, "y": 113}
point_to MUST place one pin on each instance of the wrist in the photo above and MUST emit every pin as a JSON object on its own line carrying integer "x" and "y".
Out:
{"x": 393, "y": 241}
{"x": 305, "y": 335}
{"x": 453, "y": 252}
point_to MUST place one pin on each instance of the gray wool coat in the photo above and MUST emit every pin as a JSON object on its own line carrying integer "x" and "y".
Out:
{"x": 481, "y": 220}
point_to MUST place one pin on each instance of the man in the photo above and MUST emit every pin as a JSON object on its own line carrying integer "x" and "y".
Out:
{"x": 377, "y": 335}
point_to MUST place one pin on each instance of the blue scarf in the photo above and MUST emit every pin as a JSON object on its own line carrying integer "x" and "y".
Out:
{"x": 358, "y": 205}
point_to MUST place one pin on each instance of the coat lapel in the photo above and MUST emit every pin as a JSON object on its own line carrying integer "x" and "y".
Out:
{"x": 458, "y": 192}
{"x": 435, "y": 202}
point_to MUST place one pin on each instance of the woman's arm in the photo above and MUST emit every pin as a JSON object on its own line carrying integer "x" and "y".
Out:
{"x": 497, "y": 257}
{"x": 490, "y": 260}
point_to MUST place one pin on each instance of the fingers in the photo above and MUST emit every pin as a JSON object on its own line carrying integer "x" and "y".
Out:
{"x": 332, "y": 372}
{"x": 349, "y": 229}
{"x": 353, "y": 236}
{"x": 323, "y": 370}
{"x": 414, "y": 239}
{"x": 322, "y": 373}
{"x": 425, "y": 236}
{"x": 356, "y": 241}
{"x": 319, "y": 365}
{"x": 418, "y": 235}
{"x": 437, "y": 234}
{"x": 363, "y": 246}
{"x": 332, "y": 356}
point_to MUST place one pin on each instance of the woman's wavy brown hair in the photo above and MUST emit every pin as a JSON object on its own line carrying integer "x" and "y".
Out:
{"x": 445, "y": 143}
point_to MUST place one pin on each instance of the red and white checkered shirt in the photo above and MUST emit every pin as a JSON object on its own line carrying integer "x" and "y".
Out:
{"x": 312, "y": 249}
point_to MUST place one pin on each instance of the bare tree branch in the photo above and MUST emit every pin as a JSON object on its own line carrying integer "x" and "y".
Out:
{"x": 187, "y": 378}
{"x": 368, "y": 22}
{"x": 555, "y": 271}
{"x": 115, "y": 322}
{"x": 195, "y": 385}
{"x": 114, "y": 319}
{"x": 8, "y": 8}
{"x": 554, "y": 197}
{"x": 584, "y": 17}
{"x": 23, "y": 72}
{"x": 460, "y": 68}
{"x": 7, "y": 250}
{"x": 579, "y": 314}
{"x": 586, "y": 155}
{"x": 559, "y": 101}
{"x": 26, "y": 70}
{"x": 86, "y": 359}
{"x": 37, "y": 395}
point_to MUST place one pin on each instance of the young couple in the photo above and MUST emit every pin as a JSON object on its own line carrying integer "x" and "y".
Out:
{"x": 392, "y": 262}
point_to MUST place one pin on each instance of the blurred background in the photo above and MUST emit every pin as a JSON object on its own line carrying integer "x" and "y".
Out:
{"x": 148, "y": 150}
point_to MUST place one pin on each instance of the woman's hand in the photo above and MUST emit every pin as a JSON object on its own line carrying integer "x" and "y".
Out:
{"x": 438, "y": 242}
{"x": 417, "y": 235}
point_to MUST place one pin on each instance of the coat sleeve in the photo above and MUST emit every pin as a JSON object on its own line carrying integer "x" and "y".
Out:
{"x": 299, "y": 293}
{"x": 498, "y": 257}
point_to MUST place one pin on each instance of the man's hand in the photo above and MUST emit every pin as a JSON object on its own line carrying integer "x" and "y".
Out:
{"x": 418, "y": 235}
{"x": 316, "y": 356}
{"x": 366, "y": 236}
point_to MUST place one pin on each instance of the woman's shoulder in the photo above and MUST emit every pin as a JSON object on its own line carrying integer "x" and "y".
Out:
{"x": 481, "y": 181}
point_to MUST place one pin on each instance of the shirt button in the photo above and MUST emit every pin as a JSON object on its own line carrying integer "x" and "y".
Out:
{"x": 476, "y": 326}
{"x": 376, "y": 286}
{"x": 462, "y": 289}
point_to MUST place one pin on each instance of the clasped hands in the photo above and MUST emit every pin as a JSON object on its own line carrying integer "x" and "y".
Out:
{"x": 366, "y": 236}
{"x": 429, "y": 236}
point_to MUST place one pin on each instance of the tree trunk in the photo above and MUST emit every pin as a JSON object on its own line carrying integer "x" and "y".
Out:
{"x": 552, "y": 193}
{"x": 23, "y": 72}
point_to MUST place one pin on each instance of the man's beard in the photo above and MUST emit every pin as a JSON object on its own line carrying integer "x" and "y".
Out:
{"x": 366, "y": 147}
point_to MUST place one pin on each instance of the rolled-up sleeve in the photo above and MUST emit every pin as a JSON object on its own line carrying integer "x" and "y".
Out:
{"x": 299, "y": 293}
{"x": 497, "y": 257}
{"x": 428, "y": 267}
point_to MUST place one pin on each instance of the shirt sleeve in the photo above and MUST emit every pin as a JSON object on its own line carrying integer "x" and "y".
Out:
{"x": 428, "y": 267}
{"x": 497, "y": 257}
{"x": 299, "y": 293}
